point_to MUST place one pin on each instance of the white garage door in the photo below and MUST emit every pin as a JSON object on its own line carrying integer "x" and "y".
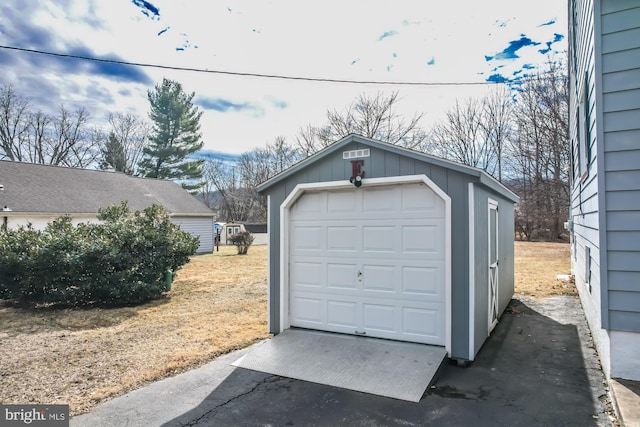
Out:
{"x": 369, "y": 261}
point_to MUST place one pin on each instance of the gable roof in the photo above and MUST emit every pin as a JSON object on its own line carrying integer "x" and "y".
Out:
{"x": 483, "y": 177}
{"x": 43, "y": 189}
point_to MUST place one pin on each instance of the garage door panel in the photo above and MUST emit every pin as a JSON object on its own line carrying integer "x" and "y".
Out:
{"x": 424, "y": 281}
{"x": 311, "y": 205}
{"x": 425, "y": 239}
{"x": 342, "y": 238}
{"x": 308, "y": 311}
{"x": 307, "y": 238}
{"x": 379, "y": 279}
{"x": 307, "y": 274}
{"x": 379, "y": 317}
{"x": 341, "y": 204}
{"x": 342, "y": 314}
{"x": 419, "y": 198}
{"x": 342, "y": 276}
{"x": 380, "y": 200}
{"x": 423, "y": 322}
{"x": 379, "y": 238}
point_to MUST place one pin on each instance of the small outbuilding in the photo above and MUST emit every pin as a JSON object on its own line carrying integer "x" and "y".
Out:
{"x": 368, "y": 238}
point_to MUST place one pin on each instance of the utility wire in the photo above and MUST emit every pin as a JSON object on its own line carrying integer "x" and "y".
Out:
{"x": 237, "y": 73}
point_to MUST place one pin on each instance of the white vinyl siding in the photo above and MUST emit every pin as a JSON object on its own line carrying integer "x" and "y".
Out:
{"x": 201, "y": 227}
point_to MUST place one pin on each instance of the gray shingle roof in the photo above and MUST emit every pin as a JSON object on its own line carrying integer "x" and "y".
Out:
{"x": 43, "y": 189}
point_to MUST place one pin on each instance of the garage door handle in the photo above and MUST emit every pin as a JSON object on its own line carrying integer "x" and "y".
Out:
{"x": 360, "y": 333}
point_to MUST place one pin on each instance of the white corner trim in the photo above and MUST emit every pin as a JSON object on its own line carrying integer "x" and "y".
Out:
{"x": 300, "y": 189}
{"x": 472, "y": 275}
{"x": 268, "y": 264}
{"x": 492, "y": 204}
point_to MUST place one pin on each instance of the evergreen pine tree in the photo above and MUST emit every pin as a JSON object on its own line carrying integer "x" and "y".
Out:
{"x": 175, "y": 136}
{"x": 113, "y": 155}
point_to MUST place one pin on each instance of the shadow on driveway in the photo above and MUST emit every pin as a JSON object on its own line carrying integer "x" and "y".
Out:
{"x": 538, "y": 368}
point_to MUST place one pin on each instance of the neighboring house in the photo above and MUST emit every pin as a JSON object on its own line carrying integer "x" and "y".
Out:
{"x": 37, "y": 194}
{"x": 370, "y": 238}
{"x": 604, "y": 117}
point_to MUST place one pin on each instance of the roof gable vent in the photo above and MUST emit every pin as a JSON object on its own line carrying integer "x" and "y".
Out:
{"x": 365, "y": 152}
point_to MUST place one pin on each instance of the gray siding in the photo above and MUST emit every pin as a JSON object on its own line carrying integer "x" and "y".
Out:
{"x": 620, "y": 26}
{"x": 201, "y": 227}
{"x": 606, "y": 203}
{"x": 506, "y": 233}
{"x": 382, "y": 163}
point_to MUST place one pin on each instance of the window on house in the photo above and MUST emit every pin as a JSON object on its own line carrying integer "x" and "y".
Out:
{"x": 587, "y": 267}
{"x": 584, "y": 129}
{"x": 573, "y": 70}
{"x": 578, "y": 142}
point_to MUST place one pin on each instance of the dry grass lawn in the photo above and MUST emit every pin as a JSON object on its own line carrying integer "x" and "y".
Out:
{"x": 217, "y": 304}
{"x": 536, "y": 267}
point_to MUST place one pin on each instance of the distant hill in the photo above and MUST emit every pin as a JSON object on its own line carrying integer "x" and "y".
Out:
{"x": 212, "y": 199}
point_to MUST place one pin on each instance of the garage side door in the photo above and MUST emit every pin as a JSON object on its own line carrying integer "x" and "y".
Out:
{"x": 369, "y": 261}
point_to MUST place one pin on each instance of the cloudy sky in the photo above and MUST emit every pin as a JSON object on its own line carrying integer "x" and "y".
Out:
{"x": 458, "y": 49}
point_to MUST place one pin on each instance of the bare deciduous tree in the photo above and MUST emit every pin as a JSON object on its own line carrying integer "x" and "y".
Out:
{"x": 69, "y": 145}
{"x": 373, "y": 117}
{"x": 37, "y": 145}
{"x": 37, "y": 137}
{"x": 475, "y": 133}
{"x": 460, "y": 136}
{"x": 128, "y": 134}
{"x": 497, "y": 124}
{"x": 233, "y": 203}
{"x": 14, "y": 123}
{"x": 235, "y": 183}
{"x": 541, "y": 154}
{"x": 520, "y": 137}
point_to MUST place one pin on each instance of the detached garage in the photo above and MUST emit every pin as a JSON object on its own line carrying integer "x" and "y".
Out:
{"x": 370, "y": 239}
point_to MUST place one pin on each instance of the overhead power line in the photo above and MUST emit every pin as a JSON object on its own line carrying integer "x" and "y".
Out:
{"x": 243, "y": 74}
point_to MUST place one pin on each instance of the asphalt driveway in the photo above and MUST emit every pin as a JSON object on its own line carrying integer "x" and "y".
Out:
{"x": 538, "y": 368}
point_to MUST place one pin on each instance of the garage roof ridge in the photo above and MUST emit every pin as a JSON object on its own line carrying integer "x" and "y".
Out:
{"x": 483, "y": 176}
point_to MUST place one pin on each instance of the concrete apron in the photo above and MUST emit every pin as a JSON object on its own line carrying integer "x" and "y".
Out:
{"x": 400, "y": 370}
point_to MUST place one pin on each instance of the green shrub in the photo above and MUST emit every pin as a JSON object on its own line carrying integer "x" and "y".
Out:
{"x": 18, "y": 249}
{"x": 242, "y": 240}
{"x": 120, "y": 261}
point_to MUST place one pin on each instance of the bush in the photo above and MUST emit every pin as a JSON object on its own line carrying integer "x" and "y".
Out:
{"x": 120, "y": 261}
{"x": 242, "y": 240}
